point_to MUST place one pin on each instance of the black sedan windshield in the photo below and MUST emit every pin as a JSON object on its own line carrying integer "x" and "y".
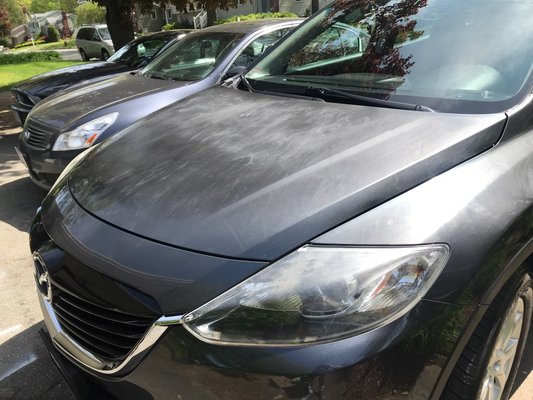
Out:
{"x": 137, "y": 52}
{"x": 193, "y": 57}
{"x": 451, "y": 56}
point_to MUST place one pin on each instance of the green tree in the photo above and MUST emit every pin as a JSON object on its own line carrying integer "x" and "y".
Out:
{"x": 41, "y": 6}
{"x": 68, "y": 5}
{"x": 119, "y": 15}
{"x": 5, "y": 21}
{"x": 90, "y": 13}
{"x": 12, "y": 12}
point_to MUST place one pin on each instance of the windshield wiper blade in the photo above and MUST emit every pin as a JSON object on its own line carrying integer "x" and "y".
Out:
{"x": 372, "y": 101}
{"x": 157, "y": 76}
{"x": 276, "y": 93}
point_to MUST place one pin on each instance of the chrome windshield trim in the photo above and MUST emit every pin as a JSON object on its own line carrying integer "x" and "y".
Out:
{"x": 70, "y": 348}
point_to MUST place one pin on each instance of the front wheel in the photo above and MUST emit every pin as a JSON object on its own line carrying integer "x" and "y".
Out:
{"x": 105, "y": 55}
{"x": 487, "y": 368}
{"x": 83, "y": 55}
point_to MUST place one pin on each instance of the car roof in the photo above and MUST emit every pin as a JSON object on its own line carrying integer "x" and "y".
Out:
{"x": 252, "y": 25}
{"x": 164, "y": 34}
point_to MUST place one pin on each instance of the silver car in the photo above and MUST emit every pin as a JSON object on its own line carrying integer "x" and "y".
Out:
{"x": 94, "y": 41}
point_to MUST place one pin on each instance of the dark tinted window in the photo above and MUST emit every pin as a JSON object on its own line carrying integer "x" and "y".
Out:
{"x": 139, "y": 51}
{"x": 85, "y": 33}
{"x": 193, "y": 57}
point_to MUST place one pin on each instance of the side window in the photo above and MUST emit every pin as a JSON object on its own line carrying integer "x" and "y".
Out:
{"x": 257, "y": 47}
{"x": 138, "y": 54}
{"x": 93, "y": 35}
{"x": 82, "y": 34}
{"x": 150, "y": 47}
{"x": 339, "y": 40}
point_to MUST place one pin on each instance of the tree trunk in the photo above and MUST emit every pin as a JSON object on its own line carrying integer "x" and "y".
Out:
{"x": 211, "y": 15}
{"x": 119, "y": 19}
{"x": 314, "y": 6}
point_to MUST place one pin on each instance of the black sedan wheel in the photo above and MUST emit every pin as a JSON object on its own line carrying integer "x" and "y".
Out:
{"x": 487, "y": 368}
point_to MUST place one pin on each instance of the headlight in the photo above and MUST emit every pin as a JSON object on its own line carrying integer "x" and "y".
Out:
{"x": 319, "y": 294}
{"x": 84, "y": 135}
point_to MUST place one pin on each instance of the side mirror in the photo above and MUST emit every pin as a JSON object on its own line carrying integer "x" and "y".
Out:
{"x": 233, "y": 72}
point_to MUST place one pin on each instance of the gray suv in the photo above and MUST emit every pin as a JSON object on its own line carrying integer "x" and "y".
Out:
{"x": 94, "y": 41}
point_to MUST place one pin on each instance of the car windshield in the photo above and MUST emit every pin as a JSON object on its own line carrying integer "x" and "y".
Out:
{"x": 104, "y": 33}
{"x": 137, "y": 52}
{"x": 450, "y": 56}
{"x": 193, "y": 57}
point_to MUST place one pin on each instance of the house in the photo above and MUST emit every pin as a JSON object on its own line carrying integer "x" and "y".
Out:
{"x": 302, "y": 8}
{"x": 38, "y": 24}
{"x": 161, "y": 15}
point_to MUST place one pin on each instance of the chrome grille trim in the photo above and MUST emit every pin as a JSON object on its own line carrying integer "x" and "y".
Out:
{"x": 38, "y": 136}
{"x": 76, "y": 352}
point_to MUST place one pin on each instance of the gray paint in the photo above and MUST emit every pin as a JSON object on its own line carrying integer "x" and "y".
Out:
{"x": 267, "y": 173}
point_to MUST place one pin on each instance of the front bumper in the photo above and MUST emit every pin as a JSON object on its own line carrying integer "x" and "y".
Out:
{"x": 402, "y": 360}
{"x": 23, "y": 105}
{"x": 44, "y": 166}
{"x": 21, "y": 112}
{"x": 180, "y": 366}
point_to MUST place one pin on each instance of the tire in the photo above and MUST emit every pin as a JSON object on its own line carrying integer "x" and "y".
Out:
{"x": 482, "y": 372}
{"x": 83, "y": 55}
{"x": 105, "y": 55}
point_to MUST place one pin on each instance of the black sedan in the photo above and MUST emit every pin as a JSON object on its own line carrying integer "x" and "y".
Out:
{"x": 348, "y": 221}
{"x": 62, "y": 126}
{"x": 134, "y": 55}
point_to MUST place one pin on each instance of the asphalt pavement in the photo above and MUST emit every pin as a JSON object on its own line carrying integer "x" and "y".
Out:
{"x": 26, "y": 370}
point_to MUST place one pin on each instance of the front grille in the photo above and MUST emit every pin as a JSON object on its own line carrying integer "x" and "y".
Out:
{"x": 39, "y": 136}
{"x": 107, "y": 333}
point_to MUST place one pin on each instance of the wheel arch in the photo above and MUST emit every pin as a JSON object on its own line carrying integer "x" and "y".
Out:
{"x": 522, "y": 258}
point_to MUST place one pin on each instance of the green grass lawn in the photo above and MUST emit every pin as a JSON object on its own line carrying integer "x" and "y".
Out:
{"x": 14, "y": 73}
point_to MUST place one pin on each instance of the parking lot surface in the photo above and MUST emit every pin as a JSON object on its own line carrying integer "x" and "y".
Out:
{"x": 26, "y": 370}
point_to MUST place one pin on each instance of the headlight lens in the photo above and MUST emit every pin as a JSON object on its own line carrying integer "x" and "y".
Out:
{"x": 84, "y": 135}
{"x": 319, "y": 294}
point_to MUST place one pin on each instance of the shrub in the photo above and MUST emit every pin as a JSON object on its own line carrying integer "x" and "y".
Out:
{"x": 236, "y": 18}
{"x": 19, "y": 58}
{"x": 53, "y": 34}
{"x": 185, "y": 24}
{"x": 5, "y": 41}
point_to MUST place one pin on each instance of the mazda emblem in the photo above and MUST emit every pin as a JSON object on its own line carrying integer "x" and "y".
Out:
{"x": 42, "y": 277}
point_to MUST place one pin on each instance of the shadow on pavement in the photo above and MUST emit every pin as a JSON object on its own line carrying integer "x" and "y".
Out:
{"x": 19, "y": 197}
{"x": 6, "y": 122}
{"x": 27, "y": 370}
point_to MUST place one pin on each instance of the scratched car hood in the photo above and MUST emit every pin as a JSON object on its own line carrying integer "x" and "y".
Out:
{"x": 254, "y": 176}
{"x": 70, "y": 107}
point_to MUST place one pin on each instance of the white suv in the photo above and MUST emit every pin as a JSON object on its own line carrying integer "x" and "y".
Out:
{"x": 94, "y": 41}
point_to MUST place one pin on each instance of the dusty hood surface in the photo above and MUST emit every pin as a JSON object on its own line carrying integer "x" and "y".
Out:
{"x": 254, "y": 176}
{"x": 69, "y": 107}
{"x": 42, "y": 84}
